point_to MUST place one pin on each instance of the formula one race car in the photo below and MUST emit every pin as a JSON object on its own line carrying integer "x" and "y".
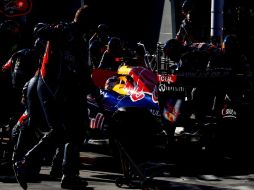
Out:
{"x": 134, "y": 87}
{"x": 163, "y": 95}
{"x": 137, "y": 87}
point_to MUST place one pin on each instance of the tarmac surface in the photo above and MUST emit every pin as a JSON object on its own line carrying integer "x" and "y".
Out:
{"x": 101, "y": 171}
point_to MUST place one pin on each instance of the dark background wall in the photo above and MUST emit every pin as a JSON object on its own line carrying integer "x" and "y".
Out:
{"x": 132, "y": 20}
{"x": 139, "y": 20}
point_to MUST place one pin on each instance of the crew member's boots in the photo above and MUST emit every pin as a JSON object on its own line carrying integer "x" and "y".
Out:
{"x": 22, "y": 167}
{"x": 71, "y": 164}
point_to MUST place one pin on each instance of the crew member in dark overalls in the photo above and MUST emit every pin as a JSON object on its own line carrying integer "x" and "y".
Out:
{"x": 63, "y": 84}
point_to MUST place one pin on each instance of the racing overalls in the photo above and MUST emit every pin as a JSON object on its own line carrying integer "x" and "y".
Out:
{"x": 63, "y": 83}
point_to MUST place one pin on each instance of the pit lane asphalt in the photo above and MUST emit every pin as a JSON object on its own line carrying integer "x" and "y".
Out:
{"x": 101, "y": 171}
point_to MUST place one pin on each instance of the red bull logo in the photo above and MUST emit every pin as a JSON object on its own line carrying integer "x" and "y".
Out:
{"x": 146, "y": 83}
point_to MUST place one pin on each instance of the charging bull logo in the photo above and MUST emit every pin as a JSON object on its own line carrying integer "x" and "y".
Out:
{"x": 146, "y": 83}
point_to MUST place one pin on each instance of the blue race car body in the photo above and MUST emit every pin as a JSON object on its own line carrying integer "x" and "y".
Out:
{"x": 128, "y": 87}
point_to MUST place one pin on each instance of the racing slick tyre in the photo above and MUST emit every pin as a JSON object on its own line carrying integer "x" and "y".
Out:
{"x": 137, "y": 130}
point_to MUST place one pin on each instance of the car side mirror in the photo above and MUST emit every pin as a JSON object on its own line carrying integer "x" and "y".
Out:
{"x": 13, "y": 8}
